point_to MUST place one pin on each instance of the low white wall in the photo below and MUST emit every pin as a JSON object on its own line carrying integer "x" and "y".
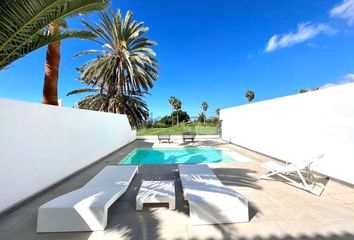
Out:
{"x": 41, "y": 144}
{"x": 296, "y": 127}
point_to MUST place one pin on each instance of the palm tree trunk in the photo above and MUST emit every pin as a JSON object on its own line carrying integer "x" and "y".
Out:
{"x": 121, "y": 92}
{"x": 50, "y": 88}
{"x": 177, "y": 119}
{"x": 172, "y": 116}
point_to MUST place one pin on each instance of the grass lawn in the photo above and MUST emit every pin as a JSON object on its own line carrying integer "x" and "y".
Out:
{"x": 199, "y": 128}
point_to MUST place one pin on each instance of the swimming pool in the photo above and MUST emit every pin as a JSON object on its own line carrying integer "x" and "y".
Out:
{"x": 178, "y": 155}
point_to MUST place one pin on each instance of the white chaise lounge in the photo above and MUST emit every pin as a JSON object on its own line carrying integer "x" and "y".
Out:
{"x": 302, "y": 169}
{"x": 86, "y": 209}
{"x": 210, "y": 202}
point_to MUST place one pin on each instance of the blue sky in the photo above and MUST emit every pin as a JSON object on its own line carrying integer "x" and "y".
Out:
{"x": 215, "y": 50}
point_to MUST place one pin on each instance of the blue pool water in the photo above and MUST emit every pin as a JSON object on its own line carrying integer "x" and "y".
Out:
{"x": 177, "y": 155}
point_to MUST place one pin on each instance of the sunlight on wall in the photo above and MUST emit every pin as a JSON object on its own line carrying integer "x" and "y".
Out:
{"x": 296, "y": 127}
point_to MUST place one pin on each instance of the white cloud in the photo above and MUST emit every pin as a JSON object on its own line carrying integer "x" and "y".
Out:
{"x": 349, "y": 78}
{"x": 344, "y": 10}
{"x": 305, "y": 31}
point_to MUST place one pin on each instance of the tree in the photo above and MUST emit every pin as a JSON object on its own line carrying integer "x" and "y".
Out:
{"x": 135, "y": 107}
{"x": 204, "y": 108}
{"x": 201, "y": 117}
{"x": 166, "y": 120}
{"x": 24, "y": 24}
{"x": 171, "y": 101}
{"x": 123, "y": 72}
{"x": 217, "y": 111}
{"x": 304, "y": 90}
{"x": 182, "y": 115}
{"x": 250, "y": 95}
{"x": 177, "y": 105}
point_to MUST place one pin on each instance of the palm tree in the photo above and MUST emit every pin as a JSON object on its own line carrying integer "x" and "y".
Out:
{"x": 24, "y": 24}
{"x": 205, "y": 108}
{"x": 177, "y": 105}
{"x": 124, "y": 71}
{"x": 135, "y": 107}
{"x": 250, "y": 95}
{"x": 171, "y": 100}
{"x": 217, "y": 111}
{"x": 218, "y": 127}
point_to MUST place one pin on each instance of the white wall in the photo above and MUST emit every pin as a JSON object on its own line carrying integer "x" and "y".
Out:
{"x": 296, "y": 127}
{"x": 42, "y": 144}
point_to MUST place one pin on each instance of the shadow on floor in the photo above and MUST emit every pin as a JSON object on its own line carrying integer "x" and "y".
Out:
{"x": 203, "y": 143}
{"x": 240, "y": 177}
{"x": 344, "y": 236}
{"x": 145, "y": 224}
{"x": 296, "y": 178}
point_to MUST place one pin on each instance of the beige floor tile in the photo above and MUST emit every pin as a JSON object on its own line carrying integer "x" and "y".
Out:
{"x": 346, "y": 198}
{"x": 167, "y": 217}
{"x": 324, "y": 212}
{"x": 263, "y": 214}
{"x": 289, "y": 201}
{"x": 338, "y": 227}
{"x": 214, "y": 232}
{"x": 258, "y": 230}
{"x": 336, "y": 187}
{"x": 322, "y": 200}
{"x": 295, "y": 213}
{"x": 298, "y": 228}
{"x": 172, "y": 233}
{"x": 123, "y": 233}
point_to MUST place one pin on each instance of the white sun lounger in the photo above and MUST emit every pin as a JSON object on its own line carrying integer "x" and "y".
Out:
{"x": 86, "y": 209}
{"x": 211, "y": 202}
{"x": 156, "y": 192}
{"x": 302, "y": 169}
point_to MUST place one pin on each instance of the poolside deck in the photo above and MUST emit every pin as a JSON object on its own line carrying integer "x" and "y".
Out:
{"x": 277, "y": 210}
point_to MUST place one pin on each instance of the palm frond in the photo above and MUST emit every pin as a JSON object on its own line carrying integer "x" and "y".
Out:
{"x": 128, "y": 57}
{"x": 81, "y": 90}
{"x": 22, "y": 23}
{"x": 37, "y": 41}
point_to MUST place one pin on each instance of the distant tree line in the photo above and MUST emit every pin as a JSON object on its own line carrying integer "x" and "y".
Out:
{"x": 304, "y": 90}
{"x": 178, "y": 116}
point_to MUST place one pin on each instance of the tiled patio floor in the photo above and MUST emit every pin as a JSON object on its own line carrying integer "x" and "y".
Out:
{"x": 277, "y": 210}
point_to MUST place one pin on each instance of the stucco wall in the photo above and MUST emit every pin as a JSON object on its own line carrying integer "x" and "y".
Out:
{"x": 41, "y": 144}
{"x": 296, "y": 127}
